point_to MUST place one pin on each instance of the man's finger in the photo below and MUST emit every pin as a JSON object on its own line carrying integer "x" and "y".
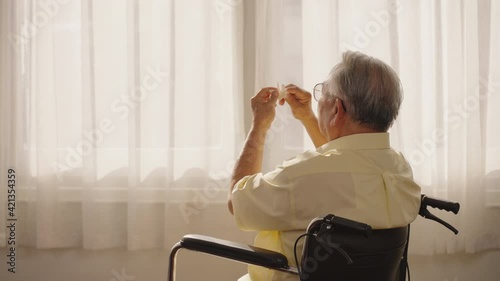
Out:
{"x": 295, "y": 92}
{"x": 274, "y": 97}
{"x": 291, "y": 100}
{"x": 264, "y": 92}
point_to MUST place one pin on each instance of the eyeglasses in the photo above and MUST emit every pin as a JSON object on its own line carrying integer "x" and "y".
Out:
{"x": 318, "y": 92}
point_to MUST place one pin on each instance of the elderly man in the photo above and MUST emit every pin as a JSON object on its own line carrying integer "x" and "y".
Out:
{"x": 353, "y": 172}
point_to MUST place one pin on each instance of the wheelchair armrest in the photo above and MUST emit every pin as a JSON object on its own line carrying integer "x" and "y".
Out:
{"x": 234, "y": 251}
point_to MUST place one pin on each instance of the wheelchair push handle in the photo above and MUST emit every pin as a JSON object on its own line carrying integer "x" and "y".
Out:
{"x": 440, "y": 204}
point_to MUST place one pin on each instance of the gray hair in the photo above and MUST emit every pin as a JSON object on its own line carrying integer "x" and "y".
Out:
{"x": 370, "y": 90}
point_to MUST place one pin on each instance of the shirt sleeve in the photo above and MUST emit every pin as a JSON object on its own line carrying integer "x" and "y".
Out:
{"x": 262, "y": 202}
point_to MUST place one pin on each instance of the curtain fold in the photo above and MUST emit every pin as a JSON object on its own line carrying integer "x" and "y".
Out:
{"x": 279, "y": 61}
{"x": 121, "y": 118}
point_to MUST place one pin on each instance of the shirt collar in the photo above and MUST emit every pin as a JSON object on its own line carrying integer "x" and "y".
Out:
{"x": 358, "y": 141}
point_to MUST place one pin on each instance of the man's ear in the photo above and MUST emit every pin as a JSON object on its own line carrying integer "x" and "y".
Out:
{"x": 338, "y": 113}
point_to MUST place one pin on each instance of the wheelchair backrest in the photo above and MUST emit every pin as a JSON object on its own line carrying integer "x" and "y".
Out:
{"x": 340, "y": 254}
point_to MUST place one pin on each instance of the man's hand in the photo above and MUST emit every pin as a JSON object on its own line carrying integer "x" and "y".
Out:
{"x": 300, "y": 102}
{"x": 264, "y": 107}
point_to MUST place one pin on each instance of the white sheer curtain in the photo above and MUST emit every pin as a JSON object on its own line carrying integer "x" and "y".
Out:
{"x": 121, "y": 118}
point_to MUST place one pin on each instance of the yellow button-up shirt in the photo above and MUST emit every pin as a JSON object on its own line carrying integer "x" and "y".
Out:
{"x": 359, "y": 177}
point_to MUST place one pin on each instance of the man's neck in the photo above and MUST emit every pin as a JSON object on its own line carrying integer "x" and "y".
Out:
{"x": 351, "y": 129}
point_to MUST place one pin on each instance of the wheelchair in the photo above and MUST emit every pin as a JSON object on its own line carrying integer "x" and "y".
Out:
{"x": 335, "y": 249}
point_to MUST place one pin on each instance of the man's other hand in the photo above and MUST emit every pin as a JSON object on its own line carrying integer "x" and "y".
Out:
{"x": 299, "y": 101}
{"x": 263, "y": 107}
